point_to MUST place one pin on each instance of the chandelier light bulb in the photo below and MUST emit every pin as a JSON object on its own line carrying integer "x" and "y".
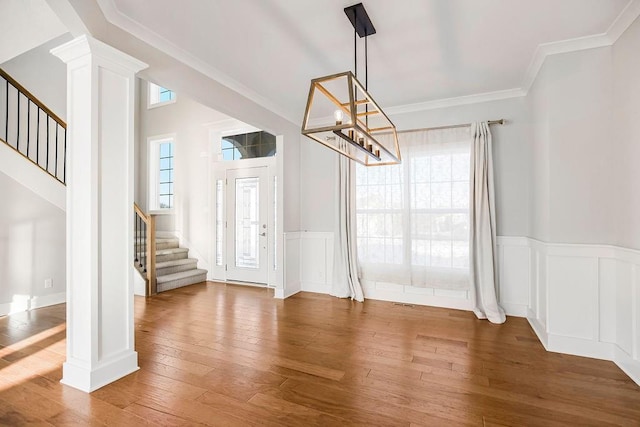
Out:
{"x": 338, "y": 115}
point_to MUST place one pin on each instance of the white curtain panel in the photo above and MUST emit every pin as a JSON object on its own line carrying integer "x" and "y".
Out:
{"x": 346, "y": 283}
{"x": 413, "y": 218}
{"x": 483, "y": 254}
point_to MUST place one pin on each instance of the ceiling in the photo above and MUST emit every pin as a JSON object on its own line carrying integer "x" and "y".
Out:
{"x": 28, "y": 24}
{"x": 425, "y": 51}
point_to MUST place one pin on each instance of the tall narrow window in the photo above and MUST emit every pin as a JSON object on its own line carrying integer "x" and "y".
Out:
{"x": 413, "y": 218}
{"x": 165, "y": 182}
{"x": 161, "y": 173}
{"x": 219, "y": 220}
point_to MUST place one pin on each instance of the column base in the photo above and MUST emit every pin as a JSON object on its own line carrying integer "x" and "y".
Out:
{"x": 77, "y": 376}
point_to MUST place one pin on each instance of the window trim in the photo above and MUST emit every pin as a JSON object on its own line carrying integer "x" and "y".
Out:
{"x": 151, "y": 88}
{"x": 153, "y": 172}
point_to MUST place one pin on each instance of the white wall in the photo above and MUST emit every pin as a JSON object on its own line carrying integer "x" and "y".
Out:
{"x": 32, "y": 220}
{"x": 572, "y": 170}
{"x": 584, "y": 263}
{"x": 625, "y": 116}
{"x": 32, "y": 249}
{"x": 42, "y": 74}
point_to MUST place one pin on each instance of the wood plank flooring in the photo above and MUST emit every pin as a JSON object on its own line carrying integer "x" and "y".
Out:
{"x": 214, "y": 354}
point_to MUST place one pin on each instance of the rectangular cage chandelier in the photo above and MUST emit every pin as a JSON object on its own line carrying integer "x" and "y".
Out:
{"x": 343, "y": 116}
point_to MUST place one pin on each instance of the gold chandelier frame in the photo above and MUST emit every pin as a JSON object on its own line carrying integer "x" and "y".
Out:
{"x": 364, "y": 144}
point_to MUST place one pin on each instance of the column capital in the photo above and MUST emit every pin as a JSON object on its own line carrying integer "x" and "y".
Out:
{"x": 85, "y": 45}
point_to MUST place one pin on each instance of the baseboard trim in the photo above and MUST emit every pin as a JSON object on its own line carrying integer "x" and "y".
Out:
{"x": 625, "y": 362}
{"x": 580, "y": 347}
{"x": 76, "y": 374}
{"x": 586, "y": 348}
{"x": 514, "y": 310}
{"x": 318, "y": 288}
{"x": 26, "y": 303}
{"x": 430, "y": 300}
{"x": 290, "y": 294}
{"x": 538, "y": 328}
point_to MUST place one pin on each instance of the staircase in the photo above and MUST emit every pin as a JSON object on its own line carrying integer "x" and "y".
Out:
{"x": 174, "y": 268}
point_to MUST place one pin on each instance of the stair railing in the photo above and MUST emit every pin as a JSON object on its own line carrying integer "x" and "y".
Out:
{"x": 32, "y": 129}
{"x": 145, "y": 246}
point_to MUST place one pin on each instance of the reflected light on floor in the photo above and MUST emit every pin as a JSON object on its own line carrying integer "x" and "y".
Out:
{"x": 32, "y": 357}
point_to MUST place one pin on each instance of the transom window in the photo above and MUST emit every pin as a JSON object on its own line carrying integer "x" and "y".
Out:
{"x": 248, "y": 146}
{"x": 159, "y": 95}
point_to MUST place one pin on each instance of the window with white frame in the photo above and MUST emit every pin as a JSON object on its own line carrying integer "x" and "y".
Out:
{"x": 161, "y": 173}
{"x": 413, "y": 218}
{"x": 158, "y": 95}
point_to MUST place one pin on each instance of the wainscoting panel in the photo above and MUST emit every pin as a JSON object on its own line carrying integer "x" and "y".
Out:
{"x": 316, "y": 270}
{"x": 514, "y": 267}
{"x": 292, "y": 258}
{"x": 573, "y": 296}
{"x": 584, "y": 301}
{"x": 607, "y": 277}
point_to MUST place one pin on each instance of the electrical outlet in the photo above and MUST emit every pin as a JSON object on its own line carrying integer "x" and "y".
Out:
{"x": 48, "y": 283}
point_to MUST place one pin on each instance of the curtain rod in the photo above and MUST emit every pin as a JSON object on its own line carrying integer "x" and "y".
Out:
{"x": 491, "y": 122}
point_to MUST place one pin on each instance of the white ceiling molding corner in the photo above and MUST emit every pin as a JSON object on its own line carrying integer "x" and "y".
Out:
{"x": 457, "y": 101}
{"x": 117, "y": 18}
{"x": 626, "y": 17}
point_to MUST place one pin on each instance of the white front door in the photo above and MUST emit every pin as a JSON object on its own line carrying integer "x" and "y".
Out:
{"x": 247, "y": 219}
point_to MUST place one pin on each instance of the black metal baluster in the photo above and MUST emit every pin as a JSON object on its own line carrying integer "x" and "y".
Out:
{"x": 64, "y": 166}
{"x": 47, "y": 143}
{"x": 57, "y": 149}
{"x": 135, "y": 236}
{"x": 144, "y": 246}
{"x": 38, "y": 138}
{"x": 140, "y": 231}
{"x": 28, "y": 123}
{"x": 6, "y": 115}
{"x": 18, "y": 127}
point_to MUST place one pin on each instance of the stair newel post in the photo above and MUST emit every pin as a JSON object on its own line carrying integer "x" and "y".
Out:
{"x": 151, "y": 255}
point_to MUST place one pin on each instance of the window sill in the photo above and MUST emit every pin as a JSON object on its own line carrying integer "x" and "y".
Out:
{"x": 160, "y": 104}
{"x": 161, "y": 211}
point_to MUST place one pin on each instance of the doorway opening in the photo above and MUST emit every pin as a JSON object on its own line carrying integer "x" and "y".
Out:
{"x": 245, "y": 216}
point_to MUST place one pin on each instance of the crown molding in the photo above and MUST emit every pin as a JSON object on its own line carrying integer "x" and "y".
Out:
{"x": 457, "y": 101}
{"x": 84, "y": 45}
{"x": 624, "y": 20}
{"x": 626, "y": 17}
{"x": 135, "y": 28}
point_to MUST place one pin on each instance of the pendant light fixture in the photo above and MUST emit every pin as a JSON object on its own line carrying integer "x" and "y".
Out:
{"x": 342, "y": 115}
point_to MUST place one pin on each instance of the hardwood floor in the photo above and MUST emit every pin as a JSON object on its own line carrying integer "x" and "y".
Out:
{"x": 232, "y": 355}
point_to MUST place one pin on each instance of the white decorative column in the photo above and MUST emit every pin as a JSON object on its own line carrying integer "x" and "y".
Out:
{"x": 100, "y": 136}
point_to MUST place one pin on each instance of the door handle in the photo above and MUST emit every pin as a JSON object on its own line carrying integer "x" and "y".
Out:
{"x": 263, "y": 234}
